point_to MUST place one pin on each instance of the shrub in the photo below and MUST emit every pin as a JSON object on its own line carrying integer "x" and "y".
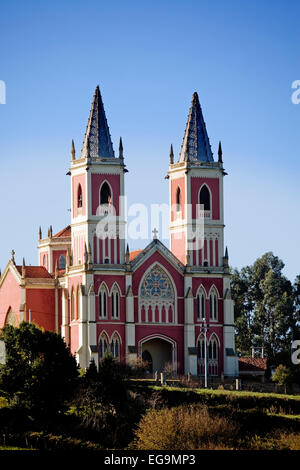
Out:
{"x": 40, "y": 373}
{"x": 184, "y": 428}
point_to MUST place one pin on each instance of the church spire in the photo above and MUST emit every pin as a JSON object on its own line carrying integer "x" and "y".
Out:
{"x": 195, "y": 145}
{"x": 171, "y": 155}
{"x": 97, "y": 141}
{"x": 220, "y": 153}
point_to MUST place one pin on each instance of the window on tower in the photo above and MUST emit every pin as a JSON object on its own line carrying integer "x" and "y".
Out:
{"x": 79, "y": 196}
{"x": 62, "y": 262}
{"x": 105, "y": 194}
{"x": 205, "y": 198}
{"x": 178, "y": 200}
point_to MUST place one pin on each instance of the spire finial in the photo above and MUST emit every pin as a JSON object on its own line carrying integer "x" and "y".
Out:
{"x": 56, "y": 272}
{"x": 220, "y": 152}
{"x": 121, "y": 149}
{"x": 171, "y": 155}
{"x": 73, "y": 153}
{"x": 127, "y": 254}
{"x": 23, "y": 268}
{"x": 97, "y": 139}
{"x": 40, "y": 233}
{"x": 13, "y": 256}
{"x": 226, "y": 252}
{"x": 195, "y": 145}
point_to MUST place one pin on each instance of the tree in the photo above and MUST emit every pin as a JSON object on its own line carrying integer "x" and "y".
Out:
{"x": 40, "y": 373}
{"x": 264, "y": 306}
{"x": 283, "y": 376}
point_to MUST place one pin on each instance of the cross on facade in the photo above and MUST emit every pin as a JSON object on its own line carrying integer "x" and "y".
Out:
{"x": 155, "y": 233}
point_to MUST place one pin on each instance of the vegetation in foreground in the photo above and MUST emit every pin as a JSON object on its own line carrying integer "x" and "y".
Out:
{"x": 47, "y": 403}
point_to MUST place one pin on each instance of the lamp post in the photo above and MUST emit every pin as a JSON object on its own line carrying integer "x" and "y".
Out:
{"x": 205, "y": 329}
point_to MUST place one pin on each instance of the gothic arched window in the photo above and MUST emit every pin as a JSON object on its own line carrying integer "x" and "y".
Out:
{"x": 103, "y": 302}
{"x": 205, "y": 198}
{"x": 62, "y": 262}
{"x": 103, "y": 345}
{"x": 115, "y": 303}
{"x": 201, "y": 304}
{"x": 178, "y": 200}
{"x": 157, "y": 296}
{"x": 78, "y": 310}
{"x": 105, "y": 194}
{"x": 213, "y": 348}
{"x": 115, "y": 346}
{"x": 79, "y": 196}
{"x": 213, "y": 304}
{"x": 73, "y": 305}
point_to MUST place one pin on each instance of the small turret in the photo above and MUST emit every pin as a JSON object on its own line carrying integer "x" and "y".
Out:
{"x": 121, "y": 156}
{"x": 73, "y": 153}
{"x": 171, "y": 155}
{"x": 220, "y": 153}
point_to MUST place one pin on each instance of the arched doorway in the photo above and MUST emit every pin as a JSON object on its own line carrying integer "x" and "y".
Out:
{"x": 162, "y": 353}
{"x": 146, "y": 356}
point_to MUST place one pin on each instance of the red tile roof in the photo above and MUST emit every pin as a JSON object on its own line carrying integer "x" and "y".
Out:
{"x": 134, "y": 254}
{"x": 35, "y": 272}
{"x": 252, "y": 363}
{"x": 65, "y": 232}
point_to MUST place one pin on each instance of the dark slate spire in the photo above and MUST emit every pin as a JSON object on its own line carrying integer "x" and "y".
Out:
{"x": 171, "y": 155}
{"x": 97, "y": 141}
{"x": 73, "y": 153}
{"x": 220, "y": 153}
{"x": 121, "y": 149}
{"x": 195, "y": 145}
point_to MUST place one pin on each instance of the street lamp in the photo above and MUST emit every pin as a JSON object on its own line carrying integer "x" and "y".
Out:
{"x": 205, "y": 330}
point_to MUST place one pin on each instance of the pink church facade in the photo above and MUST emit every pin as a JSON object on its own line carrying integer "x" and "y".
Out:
{"x": 151, "y": 303}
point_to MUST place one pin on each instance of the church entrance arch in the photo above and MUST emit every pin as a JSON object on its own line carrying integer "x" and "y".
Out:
{"x": 160, "y": 352}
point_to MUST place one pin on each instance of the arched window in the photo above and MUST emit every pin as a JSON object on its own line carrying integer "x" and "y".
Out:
{"x": 178, "y": 200}
{"x": 103, "y": 302}
{"x": 213, "y": 348}
{"x": 73, "y": 305}
{"x": 115, "y": 303}
{"x": 201, "y": 348}
{"x": 115, "y": 346}
{"x": 205, "y": 198}
{"x": 78, "y": 311}
{"x": 213, "y": 304}
{"x": 79, "y": 196}
{"x": 103, "y": 345}
{"x": 105, "y": 194}
{"x": 157, "y": 297}
{"x": 45, "y": 261}
{"x": 201, "y": 304}
{"x": 62, "y": 262}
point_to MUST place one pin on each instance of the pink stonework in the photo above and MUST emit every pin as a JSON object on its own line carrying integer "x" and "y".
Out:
{"x": 143, "y": 304}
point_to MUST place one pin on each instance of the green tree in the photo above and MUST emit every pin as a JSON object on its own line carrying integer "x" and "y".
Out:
{"x": 40, "y": 373}
{"x": 283, "y": 375}
{"x": 264, "y": 306}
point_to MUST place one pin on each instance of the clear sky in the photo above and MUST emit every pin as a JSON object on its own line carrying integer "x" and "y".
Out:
{"x": 241, "y": 56}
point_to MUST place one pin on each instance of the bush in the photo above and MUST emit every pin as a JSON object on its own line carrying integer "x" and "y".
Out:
{"x": 184, "y": 428}
{"x": 40, "y": 373}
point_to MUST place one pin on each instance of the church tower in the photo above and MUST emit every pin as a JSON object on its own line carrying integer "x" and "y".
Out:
{"x": 97, "y": 252}
{"x": 196, "y": 196}
{"x": 97, "y": 187}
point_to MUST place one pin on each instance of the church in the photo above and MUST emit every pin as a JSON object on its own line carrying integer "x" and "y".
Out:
{"x": 171, "y": 307}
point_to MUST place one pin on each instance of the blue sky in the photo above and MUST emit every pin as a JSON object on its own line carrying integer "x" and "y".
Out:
{"x": 241, "y": 56}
